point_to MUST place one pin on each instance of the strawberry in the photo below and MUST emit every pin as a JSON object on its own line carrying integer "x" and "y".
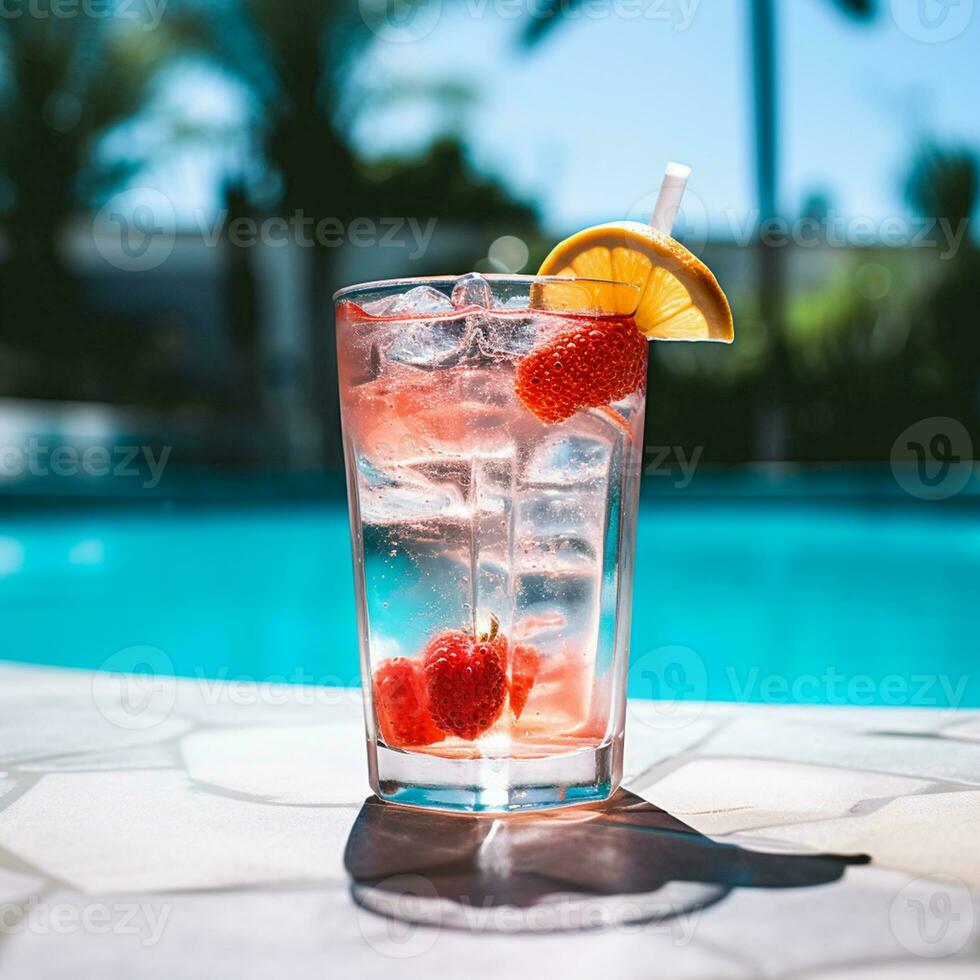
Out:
{"x": 401, "y": 704}
{"x": 466, "y": 682}
{"x": 591, "y": 365}
{"x": 524, "y": 667}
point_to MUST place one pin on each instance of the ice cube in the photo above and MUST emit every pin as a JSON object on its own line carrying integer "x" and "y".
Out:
{"x": 506, "y": 336}
{"x": 379, "y": 307}
{"x": 472, "y": 290}
{"x": 565, "y": 460}
{"x": 422, "y": 300}
{"x": 431, "y": 343}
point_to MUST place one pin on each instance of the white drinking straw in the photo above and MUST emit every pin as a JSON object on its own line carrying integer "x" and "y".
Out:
{"x": 669, "y": 201}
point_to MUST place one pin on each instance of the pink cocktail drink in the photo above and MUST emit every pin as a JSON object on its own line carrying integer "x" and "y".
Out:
{"x": 493, "y": 540}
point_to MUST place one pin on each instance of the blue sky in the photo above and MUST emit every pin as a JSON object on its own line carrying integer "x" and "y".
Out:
{"x": 584, "y": 123}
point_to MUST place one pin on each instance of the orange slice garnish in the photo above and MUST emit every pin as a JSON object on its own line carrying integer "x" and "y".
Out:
{"x": 680, "y": 299}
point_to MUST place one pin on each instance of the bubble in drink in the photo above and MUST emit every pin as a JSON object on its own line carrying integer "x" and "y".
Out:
{"x": 493, "y": 550}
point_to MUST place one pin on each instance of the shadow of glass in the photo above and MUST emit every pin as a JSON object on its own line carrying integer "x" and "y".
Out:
{"x": 614, "y": 863}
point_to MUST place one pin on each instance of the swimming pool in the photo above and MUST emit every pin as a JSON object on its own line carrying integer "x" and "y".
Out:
{"x": 783, "y": 601}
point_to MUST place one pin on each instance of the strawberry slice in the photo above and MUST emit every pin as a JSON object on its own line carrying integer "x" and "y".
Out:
{"x": 525, "y": 664}
{"x": 591, "y": 365}
{"x": 401, "y": 704}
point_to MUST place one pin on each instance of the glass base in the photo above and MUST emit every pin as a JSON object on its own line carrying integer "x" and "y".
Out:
{"x": 503, "y": 785}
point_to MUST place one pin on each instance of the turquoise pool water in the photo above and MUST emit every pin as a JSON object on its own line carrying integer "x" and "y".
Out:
{"x": 756, "y": 600}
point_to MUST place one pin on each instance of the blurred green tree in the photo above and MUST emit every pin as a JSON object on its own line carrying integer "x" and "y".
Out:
{"x": 64, "y": 84}
{"x": 68, "y": 83}
{"x": 297, "y": 62}
{"x": 945, "y": 348}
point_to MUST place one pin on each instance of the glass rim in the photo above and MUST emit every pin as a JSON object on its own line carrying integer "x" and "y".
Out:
{"x": 491, "y": 277}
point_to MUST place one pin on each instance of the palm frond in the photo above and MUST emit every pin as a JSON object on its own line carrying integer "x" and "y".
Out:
{"x": 860, "y": 9}
{"x": 547, "y": 15}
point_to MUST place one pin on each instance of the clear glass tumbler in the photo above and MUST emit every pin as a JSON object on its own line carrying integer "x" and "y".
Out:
{"x": 493, "y": 552}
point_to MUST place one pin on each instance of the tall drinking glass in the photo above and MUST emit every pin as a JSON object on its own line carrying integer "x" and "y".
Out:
{"x": 493, "y": 552}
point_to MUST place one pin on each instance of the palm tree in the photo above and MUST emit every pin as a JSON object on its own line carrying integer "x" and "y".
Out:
{"x": 764, "y": 60}
{"x": 770, "y": 271}
{"x": 295, "y": 60}
{"x": 944, "y": 184}
{"x": 64, "y": 84}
